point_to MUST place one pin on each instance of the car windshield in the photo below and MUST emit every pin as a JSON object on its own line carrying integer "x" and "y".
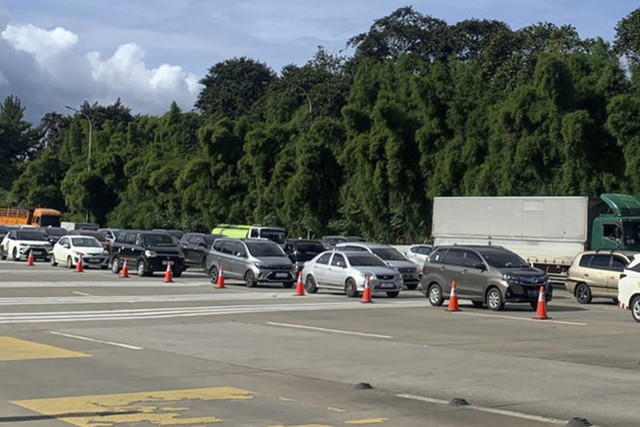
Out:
{"x": 309, "y": 247}
{"x": 160, "y": 240}
{"x": 388, "y": 254}
{"x": 30, "y": 235}
{"x": 362, "y": 260}
{"x": 57, "y": 232}
{"x": 50, "y": 221}
{"x": 631, "y": 234}
{"x": 209, "y": 239}
{"x": 85, "y": 242}
{"x": 504, "y": 259}
{"x": 277, "y": 236}
{"x": 262, "y": 249}
{"x": 98, "y": 235}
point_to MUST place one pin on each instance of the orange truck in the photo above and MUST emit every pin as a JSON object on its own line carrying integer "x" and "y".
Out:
{"x": 37, "y": 217}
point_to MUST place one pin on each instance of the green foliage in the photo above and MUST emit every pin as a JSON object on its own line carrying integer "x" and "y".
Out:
{"x": 356, "y": 145}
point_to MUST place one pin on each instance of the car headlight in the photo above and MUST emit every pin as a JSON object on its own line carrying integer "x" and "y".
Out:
{"x": 150, "y": 254}
{"x": 180, "y": 254}
{"x": 511, "y": 278}
{"x": 259, "y": 264}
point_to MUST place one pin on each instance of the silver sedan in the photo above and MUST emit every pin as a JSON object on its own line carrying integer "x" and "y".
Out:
{"x": 348, "y": 271}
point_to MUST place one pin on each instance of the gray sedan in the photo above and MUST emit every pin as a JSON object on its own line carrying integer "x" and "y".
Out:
{"x": 347, "y": 271}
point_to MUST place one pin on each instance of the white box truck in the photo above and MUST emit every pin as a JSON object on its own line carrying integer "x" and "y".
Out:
{"x": 546, "y": 231}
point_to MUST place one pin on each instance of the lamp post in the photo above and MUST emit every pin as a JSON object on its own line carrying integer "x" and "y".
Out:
{"x": 90, "y": 141}
{"x": 305, "y": 93}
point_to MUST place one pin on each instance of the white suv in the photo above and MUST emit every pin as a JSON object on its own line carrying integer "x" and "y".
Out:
{"x": 18, "y": 243}
{"x": 629, "y": 288}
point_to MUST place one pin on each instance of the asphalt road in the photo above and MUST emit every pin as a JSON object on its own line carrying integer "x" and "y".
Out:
{"x": 90, "y": 349}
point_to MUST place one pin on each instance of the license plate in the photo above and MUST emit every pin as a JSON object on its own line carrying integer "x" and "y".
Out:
{"x": 282, "y": 275}
{"x": 533, "y": 294}
{"x": 387, "y": 285}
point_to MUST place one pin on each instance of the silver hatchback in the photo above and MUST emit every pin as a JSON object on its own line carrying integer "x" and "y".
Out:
{"x": 348, "y": 271}
{"x": 252, "y": 260}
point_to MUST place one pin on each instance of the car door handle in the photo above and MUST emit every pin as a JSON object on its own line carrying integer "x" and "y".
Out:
{"x": 464, "y": 271}
{"x": 586, "y": 275}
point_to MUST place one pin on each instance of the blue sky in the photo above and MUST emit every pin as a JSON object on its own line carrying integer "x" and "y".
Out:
{"x": 150, "y": 52}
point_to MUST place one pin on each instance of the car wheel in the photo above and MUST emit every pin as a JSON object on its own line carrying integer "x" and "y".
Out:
{"x": 477, "y": 304}
{"x": 350, "y": 288}
{"x": 53, "y": 260}
{"x": 393, "y": 294}
{"x": 434, "y": 294}
{"x": 177, "y": 272}
{"x": 213, "y": 275}
{"x": 635, "y": 308}
{"x": 310, "y": 285}
{"x": 495, "y": 302}
{"x": 69, "y": 262}
{"x": 15, "y": 254}
{"x": 250, "y": 279}
{"x": 288, "y": 285}
{"x": 3, "y": 255}
{"x": 141, "y": 268}
{"x": 583, "y": 294}
{"x": 115, "y": 265}
{"x": 534, "y": 304}
{"x": 204, "y": 264}
{"x": 412, "y": 287}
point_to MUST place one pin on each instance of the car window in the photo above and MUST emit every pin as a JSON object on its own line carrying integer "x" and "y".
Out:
{"x": 31, "y": 235}
{"x": 353, "y": 248}
{"x": 437, "y": 256}
{"x": 454, "y": 257}
{"x": 472, "y": 259}
{"x": 388, "y": 254}
{"x": 585, "y": 260}
{"x": 131, "y": 238}
{"x": 618, "y": 264}
{"x": 635, "y": 268}
{"x": 600, "y": 262}
{"x": 502, "y": 258}
{"x": 254, "y": 233}
{"x": 85, "y": 242}
{"x": 338, "y": 261}
{"x": 422, "y": 250}
{"x": 218, "y": 245}
{"x": 239, "y": 249}
{"x": 324, "y": 259}
{"x": 63, "y": 240}
{"x": 227, "y": 247}
{"x": 611, "y": 231}
{"x": 261, "y": 249}
{"x": 366, "y": 260}
{"x": 160, "y": 240}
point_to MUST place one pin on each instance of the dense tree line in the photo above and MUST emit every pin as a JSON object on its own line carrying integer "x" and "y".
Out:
{"x": 356, "y": 145}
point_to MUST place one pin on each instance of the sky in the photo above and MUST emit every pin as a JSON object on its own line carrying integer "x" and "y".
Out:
{"x": 55, "y": 53}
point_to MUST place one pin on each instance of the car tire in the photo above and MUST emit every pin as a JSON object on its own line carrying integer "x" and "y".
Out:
{"x": 434, "y": 295}
{"x": 583, "y": 293}
{"x": 393, "y": 294}
{"x": 15, "y": 254}
{"x": 3, "y": 255}
{"x": 534, "y": 305}
{"x": 69, "y": 262}
{"x": 213, "y": 275}
{"x": 477, "y": 304}
{"x": 288, "y": 285}
{"x": 141, "y": 268}
{"x": 635, "y": 308}
{"x": 310, "y": 285}
{"x": 250, "y": 279}
{"x": 494, "y": 299}
{"x": 350, "y": 288}
{"x": 53, "y": 260}
{"x": 177, "y": 272}
{"x": 115, "y": 265}
{"x": 412, "y": 287}
{"x": 204, "y": 265}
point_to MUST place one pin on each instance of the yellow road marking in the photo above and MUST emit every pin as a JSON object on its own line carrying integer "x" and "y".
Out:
{"x": 118, "y": 409}
{"x": 303, "y": 425}
{"x": 368, "y": 421}
{"x": 12, "y": 349}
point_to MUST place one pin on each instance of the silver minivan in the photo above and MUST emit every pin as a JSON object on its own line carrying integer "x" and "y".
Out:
{"x": 253, "y": 261}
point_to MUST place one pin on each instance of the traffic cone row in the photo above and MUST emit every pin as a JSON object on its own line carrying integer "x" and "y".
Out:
{"x": 541, "y": 312}
{"x": 299, "y": 286}
{"x": 168, "y": 275}
{"x": 124, "y": 273}
{"x": 220, "y": 281}
{"x": 79, "y": 264}
{"x": 453, "y": 298}
{"x": 30, "y": 258}
{"x": 366, "y": 294}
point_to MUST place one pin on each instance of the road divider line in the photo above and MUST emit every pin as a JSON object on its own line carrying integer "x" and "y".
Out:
{"x": 335, "y": 331}
{"x": 83, "y": 294}
{"x": 78, "y": 337}
{"x": 495, "y": 411}
{"x": 524, "y": 319}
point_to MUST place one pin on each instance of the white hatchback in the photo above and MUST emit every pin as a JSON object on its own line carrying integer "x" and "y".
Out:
{"x": 629, "y": 288}
{"x": 68, "y": 250}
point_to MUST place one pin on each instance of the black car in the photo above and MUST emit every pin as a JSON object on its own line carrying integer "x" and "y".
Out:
{"x": 175, "y": 233}
{"x": 55, "y": 233}
{"x": 195, "y": 247}
{"x": 301, "y": 250}
{"x": 147, "y": 252}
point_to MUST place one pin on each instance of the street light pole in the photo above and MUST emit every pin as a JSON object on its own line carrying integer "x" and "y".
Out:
{"x": 90, "y": 141}
{"x": 305, "y": 94}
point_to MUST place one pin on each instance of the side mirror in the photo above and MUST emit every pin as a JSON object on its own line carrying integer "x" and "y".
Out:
{"x": 240, "y": 254}
{"x": 202, "y": 245}
{"x": 622, "y": 276}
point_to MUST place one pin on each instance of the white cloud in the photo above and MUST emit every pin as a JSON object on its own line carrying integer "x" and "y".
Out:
{"x": 42, "y": 44}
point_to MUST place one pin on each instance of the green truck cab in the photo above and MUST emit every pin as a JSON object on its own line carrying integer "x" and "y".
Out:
{"x": 615, "y": 223}
{"x": 276, "y": 234}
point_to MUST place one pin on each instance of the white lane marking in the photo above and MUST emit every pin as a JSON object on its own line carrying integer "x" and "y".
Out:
{"x": 495, "y": 411}
{"x": 335, "y": 331}
{"x": 525, "y": 319}
{"x": 89, "y": 284}
{"x": 78, "y": 337}
{"x": 84, "y": 294}
{"x": 162, "y": 313}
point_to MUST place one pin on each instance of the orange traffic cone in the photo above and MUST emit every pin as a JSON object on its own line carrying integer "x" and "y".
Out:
{"x": 453, "y": 298}
{"x": 124, "y": 273}
{"x": 541, "y": 312}
{"x": 30, "y": 259}
{"x": 366, "y": 294}
{"x": 220, "y": 281}
{"x": 168, "y": 275}
{"x": 299, "y": 286}
{"x": 79, "y": 266}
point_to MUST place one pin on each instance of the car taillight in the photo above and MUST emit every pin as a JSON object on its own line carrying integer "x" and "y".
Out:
{"x": 424, "y": 270}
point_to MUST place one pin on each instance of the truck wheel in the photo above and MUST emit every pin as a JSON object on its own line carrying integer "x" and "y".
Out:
{"x": 495, "y": 302}
{"x": 310, "y": 285}
{"x": 635, "y": 308}
{"x": 583, "y": 294}
{"x": 434, "y": 293}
